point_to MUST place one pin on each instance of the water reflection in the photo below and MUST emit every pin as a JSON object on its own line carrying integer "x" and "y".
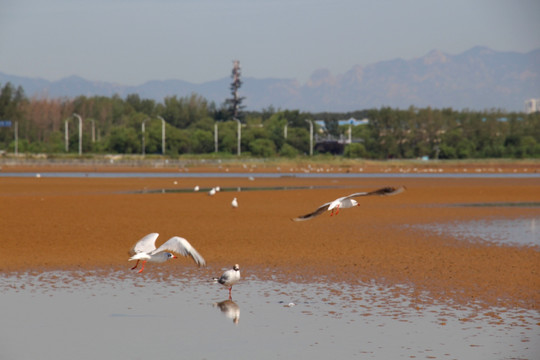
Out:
{"x": 230, "y": 309}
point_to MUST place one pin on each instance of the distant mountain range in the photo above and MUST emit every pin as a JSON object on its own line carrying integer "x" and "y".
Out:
{"x": 477, "y": 79}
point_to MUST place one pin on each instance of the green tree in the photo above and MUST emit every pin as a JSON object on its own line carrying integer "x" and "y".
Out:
{"x": 355, "y": 150}
{"x": 124, "y": 141}
{"x": 262, "y": 147}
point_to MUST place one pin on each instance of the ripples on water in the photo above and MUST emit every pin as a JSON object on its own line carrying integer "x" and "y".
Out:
{"x": 122, "y": 315}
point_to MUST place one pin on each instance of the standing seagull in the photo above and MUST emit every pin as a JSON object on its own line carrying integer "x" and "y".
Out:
{"x": 229, "y": 278}
{"x": 234, "y": 203}
{"x": 145, "y": 250}
{"x": 347, "y": 202}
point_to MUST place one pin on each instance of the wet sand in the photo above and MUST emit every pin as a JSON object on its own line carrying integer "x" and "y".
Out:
{"x": 84, "y": 223}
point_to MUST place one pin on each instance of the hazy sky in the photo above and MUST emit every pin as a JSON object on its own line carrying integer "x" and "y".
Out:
{"x": 133, "y": 41}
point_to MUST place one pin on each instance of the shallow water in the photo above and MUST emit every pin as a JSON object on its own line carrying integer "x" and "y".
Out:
{"x": 124, "y": 315}
{"x": 521, "y": 231}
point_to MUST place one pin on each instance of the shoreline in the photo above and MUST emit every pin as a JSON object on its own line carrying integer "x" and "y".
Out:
{"x": 253, "y": 165}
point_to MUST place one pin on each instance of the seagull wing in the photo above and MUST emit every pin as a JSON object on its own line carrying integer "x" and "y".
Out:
{"x": 382, "y": 191}
{"x": 225, "y": 277}
{"x": 145, "y": 245}
{"x": 311, "y": 215}
{"x": 181, "y": 246}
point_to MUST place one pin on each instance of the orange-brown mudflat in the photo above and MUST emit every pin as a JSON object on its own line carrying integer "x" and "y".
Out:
{"x": 91, "y": 223}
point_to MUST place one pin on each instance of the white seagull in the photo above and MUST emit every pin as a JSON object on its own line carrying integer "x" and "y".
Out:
{"x": 347, "y": 202}
{"x": 234, "y": 203}
{"x": 212, "y": 192}
{"x": 196, "y": 188}
{"x": 145, "y": 250}
{"x": 229, "y": 278}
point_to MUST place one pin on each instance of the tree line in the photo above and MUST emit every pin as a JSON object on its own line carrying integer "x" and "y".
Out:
{"x": 190, "y": 124}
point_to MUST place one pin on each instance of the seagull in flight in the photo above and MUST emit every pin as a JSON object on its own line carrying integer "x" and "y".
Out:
{"x": 229, "y": 278}
{"x": 347, "y": 202}
{"x": 145, "y": 250}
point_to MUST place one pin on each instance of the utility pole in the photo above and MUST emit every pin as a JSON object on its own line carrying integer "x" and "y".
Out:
{"x": 16, "y": 137}
{"x": 216, "y": 137}
{"x": 310, "y": 137}
{"x": 238, "y": 150}
{"x": 143, "y": 137}
{"x": 66, "y": 135}
{"x": 93, "y": 130}
{"x": 162, "y": 135}
{"x": 80, "y": 132}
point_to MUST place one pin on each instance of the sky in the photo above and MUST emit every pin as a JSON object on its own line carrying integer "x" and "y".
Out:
{"x": 130, "y": 42}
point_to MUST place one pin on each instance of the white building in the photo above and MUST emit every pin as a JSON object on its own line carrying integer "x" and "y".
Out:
{"x": 532, "y": 105}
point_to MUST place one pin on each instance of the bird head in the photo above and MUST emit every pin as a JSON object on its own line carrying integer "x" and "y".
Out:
{"x": 171, "y": 256}
{"x": 236, "y": 267}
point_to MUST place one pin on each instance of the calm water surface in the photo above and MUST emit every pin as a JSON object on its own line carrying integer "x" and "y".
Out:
{"x": 521, "y": 231}
{"x": 124, "y": 315}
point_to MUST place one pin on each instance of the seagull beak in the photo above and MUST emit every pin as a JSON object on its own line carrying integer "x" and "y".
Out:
{"x": 175, "y": 257}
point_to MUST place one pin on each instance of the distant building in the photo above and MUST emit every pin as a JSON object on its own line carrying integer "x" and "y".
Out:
{"x": 532, "y": 106}
{"x": 352, "y": 121}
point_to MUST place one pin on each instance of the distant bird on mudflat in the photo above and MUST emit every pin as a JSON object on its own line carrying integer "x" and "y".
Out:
{"x": 229, "y": 278}
{"x": 234, "y": 203}
{"x": 145, "y": 250}
{"x": 347, "y": 202}
{"x": 212, "y": 192}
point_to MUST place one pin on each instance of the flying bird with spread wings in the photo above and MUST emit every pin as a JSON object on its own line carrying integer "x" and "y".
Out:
{"x": 348, "y": 202}
{"x": 145, "y": 250}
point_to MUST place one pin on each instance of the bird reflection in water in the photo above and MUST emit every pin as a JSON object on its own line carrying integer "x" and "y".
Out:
{"x": 230, "y": 309}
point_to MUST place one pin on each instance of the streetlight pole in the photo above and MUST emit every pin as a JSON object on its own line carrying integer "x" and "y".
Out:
{"x": 310, "y": 137}
{"x": 93, "y": 130}
{"x": 80, "y": 132}
{"x": 66, "y": 135}
{"x": 162, "y": 135}
{"x": 239, "y": 151}
{"x": 143, "y": 137}
{"x": 16, "y": 137}
{"x": 216, "y": 137}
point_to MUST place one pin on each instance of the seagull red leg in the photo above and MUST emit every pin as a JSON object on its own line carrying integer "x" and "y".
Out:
{"x": 137, "y": 264}
{"x": 142, "y": 267}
